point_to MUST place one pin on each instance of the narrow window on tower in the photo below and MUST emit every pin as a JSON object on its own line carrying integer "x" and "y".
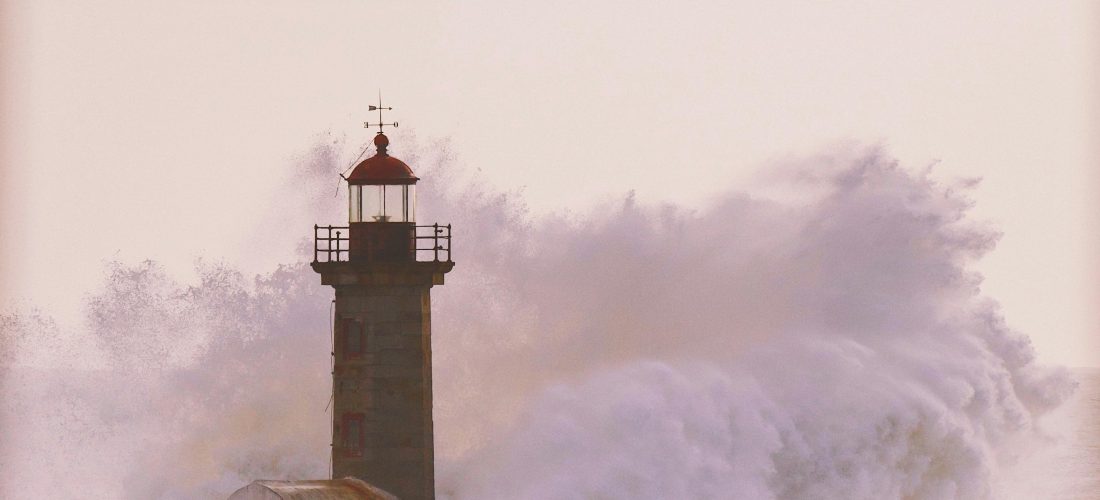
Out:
{"x": 352, "y": 441}
{"x": 353, "y": 339}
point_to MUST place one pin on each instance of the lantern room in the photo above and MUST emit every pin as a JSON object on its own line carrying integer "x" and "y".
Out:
{"x": 382, "y": 208}
{"x": 381, "y": 226}
{"x": 382, "y": 188}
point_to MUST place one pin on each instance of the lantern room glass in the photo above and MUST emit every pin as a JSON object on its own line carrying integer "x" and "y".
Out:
{"x": 355, "y": 213}
{"x": 382, "y": 203}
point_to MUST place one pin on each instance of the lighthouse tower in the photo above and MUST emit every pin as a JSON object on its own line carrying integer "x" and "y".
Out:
{"x": 382, "y": 266}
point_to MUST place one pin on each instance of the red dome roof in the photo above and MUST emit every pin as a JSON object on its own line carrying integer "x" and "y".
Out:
{"x": 382, "y": 168}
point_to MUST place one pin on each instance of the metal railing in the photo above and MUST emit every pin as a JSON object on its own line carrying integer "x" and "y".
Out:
{"x": 332, "y": 243}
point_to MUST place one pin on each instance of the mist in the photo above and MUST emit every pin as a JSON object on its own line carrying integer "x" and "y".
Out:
{"x": 818, "y": 334}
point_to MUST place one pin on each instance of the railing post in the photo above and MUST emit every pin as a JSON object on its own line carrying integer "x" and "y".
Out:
{"x": 337, "y": 246}
{"x": 450, "y": 254}
{"x": 435, "y": 241}
{"x": 315, "y": 227}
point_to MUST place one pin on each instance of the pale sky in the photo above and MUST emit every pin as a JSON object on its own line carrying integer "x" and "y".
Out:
{"x": 134, "y": 132}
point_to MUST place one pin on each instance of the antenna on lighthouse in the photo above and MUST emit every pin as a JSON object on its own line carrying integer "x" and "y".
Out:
{"x": 352, "y": 164}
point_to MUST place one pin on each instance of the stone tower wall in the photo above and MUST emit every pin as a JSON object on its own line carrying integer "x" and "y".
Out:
{"x": 382, "y": 385}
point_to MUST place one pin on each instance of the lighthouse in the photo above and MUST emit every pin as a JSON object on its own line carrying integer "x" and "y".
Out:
{"x": 382, "y": 266}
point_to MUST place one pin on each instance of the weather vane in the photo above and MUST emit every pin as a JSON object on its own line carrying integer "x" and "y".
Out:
{"x": 379, "y": 108}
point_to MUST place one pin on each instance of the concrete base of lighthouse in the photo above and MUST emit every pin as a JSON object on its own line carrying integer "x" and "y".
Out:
{"x": 382, "y": 376}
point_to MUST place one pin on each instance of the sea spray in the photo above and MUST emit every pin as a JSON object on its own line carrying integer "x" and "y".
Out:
{"x": 824, "y": 346}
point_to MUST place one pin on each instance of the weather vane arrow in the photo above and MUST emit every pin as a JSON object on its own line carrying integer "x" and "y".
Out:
{"x": 379, "y": 108}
